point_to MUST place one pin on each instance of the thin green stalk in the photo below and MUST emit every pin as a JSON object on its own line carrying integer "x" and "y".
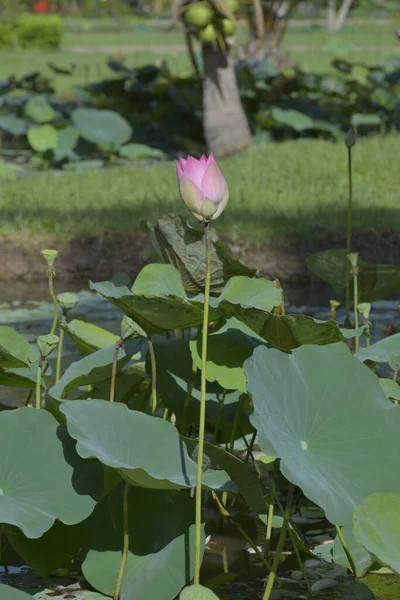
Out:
{"x": 349, "y": 233}
{"x": 153, "y": 376}
{"x": 125, "y": 548}
{"x": 301, "y": 565}
{"x": 182, "y": 428}
{"x": 355, "y": 284}
{"x": 268, "y": 534}
{"x": 39, "y": 381}
{"x": 28, "y": 398}
{"x": 281, "y": 543}
{"x": 60, "y": 349}
{"x": 225, "y": 564}
{"x": 53, "y": 296}
{"x": 396, "y": 374}
{"x": 197, "y": 557}
{"x": 347, "y": 551}
{"x": 114, "y": 369}
{"x": 165, "y": 414}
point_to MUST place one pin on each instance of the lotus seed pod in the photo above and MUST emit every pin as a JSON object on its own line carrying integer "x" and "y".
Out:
{"x": 228, "y": 27}
{"x": 130, "y": 329}
{"x": 208, "y": 34}
{"x": 46, "y": 344}
{"x": 67, "y": 301}
{"x": 351, "y": 138}
{"x": 334, "y": 304}
{"x": 199, "y": 15}
{"x": 364, "y": 308}
{"x": 353, "y": 258}
{"x": 50, "y": 256}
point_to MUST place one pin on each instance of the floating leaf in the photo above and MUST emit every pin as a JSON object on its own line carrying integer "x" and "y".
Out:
{"x": 161, "y": 550}
{"x": 293, "y": 119}
{"x": 39, "y": 109}
{"x": 43, "y": 138}
{"x": 323, "y": 412}
{"x": 13, "y": 125}
{"x": 35, "y": 491}
{"x": 136, "y": 151}
{"x": 88, "y": 337}
{"x": 376, "y": 525}
{"x": 15, "y": 351}
{"x": 124, "y": 439}
{"x": 67, "y": 139}
{"x": 105, "y": 128}
{"x": 56, "y": 548}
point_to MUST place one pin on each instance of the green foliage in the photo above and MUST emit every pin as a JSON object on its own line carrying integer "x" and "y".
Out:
{"x": 376, "y": 526}
{"x": 31, "y": 31}
{"x": 197, "y": 592}
{"x": 104, "y": 128}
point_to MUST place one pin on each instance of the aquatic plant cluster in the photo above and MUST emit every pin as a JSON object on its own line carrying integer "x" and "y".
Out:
{"x": 211, "y": 398}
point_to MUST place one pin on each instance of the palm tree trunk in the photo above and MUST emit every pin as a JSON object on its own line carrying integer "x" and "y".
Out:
{"x": 225, "y": 124}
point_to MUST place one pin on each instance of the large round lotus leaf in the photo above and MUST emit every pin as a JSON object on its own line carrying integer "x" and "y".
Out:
{"x": 293, "y": 119}
{"x": 43, "y": 138}
{"x": 38, "y": 109}
{"x": 136, "y": 151}
{"x": 13, "y": 124}
{"x": 67, "y": 139}
{"x": 88, "y": 337}
{"x": 197, "y": 592}
{"x": 105, "y": 128}
{"x": 390, "y": 388}
{"x": 23, "y": 378}
{"x": 177, "y": 385}
{"x": 125, "y": 440}
{"x": 56, "y": 548}
{"x": 15, "y": 351}
{"x": 41, "y": 476}
{"x": 161, "y": 544}
{"x": 362, "y": 559}
{"x": 252, "y": 293}
{"x": 376, "y": 525}
{"x": 330, "y": 266}
{"x": 386, "y": 350}
{"x": 159, "y": 280}
{"x": 324, "y": 414}
{"x": 228, "y": 348}
{"x": 9, "y": 593}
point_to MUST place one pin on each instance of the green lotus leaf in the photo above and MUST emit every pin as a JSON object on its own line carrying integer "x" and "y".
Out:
{"x": 197, "y": 592}
{"x": 376, "y": 525}
{"x": 390, "y": 388}
{"x": 43, "y": 138}
{"x": 87, "y": 337}
{"x": 105, "y": 128}
{"x": 386, "y": 350}
{"x": 161, "y": 550}
{"x": 35, "y": 491}
{"x": 10, "y": 593}
{"x": 15, "y": 351}
{"x": 323, "y": 413}
{"x": 362, "y": 559}
{"x": 39, "y": 109}
{"x": 124, "y": 439}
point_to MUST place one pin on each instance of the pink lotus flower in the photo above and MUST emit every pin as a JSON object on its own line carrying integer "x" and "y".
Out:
{"x": 202, "y": 187}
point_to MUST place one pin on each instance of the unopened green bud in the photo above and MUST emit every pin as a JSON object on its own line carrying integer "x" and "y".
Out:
{"x": 364, "y": 308}
{"x": 50, "y": 256}
{"x": 353, "y": 258}
{"x": 67, "y": 301}
{"x": 350, "y": 138}
{"x": 334, "y": 304}
{"x": 130, "y": 329}
{"x": 46, "y": 344}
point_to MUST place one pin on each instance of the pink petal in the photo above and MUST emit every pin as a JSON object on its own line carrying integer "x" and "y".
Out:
{"x": 213, "y": 185}
{"x": 212, "y": 158}
{"x": 179, "y": 170}
{"x": 194, "y": 170}
{"x": 192, "y": 196}
{"x": 183, "y": 161}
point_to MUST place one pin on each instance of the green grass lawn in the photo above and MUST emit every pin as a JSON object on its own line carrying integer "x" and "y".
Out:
{"x": 278, "y": 192}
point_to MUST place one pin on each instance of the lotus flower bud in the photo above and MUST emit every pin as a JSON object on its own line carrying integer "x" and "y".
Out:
{"x": 202, "y": 187}
{"x": 351, "y": 138}
{"x": 364, "y": 308}
{"x": 50, "y": 256}
{"x": 353, "y": 258}
{"x": 67, "y": 301}
{"x": 46, "y": 344}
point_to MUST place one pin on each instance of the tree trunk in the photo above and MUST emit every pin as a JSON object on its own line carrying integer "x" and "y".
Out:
{"x": 336, "y": 19}
{"x": 225, "y": 124}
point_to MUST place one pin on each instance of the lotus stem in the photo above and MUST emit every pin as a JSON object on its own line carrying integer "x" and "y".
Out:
{"x": 347, "y": 551}
{"x": 356, "y": 323}
{"x": 281, "y": 543}
{"x": 60, "y": 349}
{"x": 118, "y": 345}
{"x": 39, "y": 381}
{"x": 301, "y": 565}
{"x": 396, "y": 374}
{"x": 125, "y": 549}
{"x": 203, "y": 389}
{"x": 349, "y": 232}
{"x": 250, "y": 447}
{"x": 182, "y": 427}
{"x": 28, "y": 398}
{"x": 55, "y": 303}
{"x": 268, "y": 534}
{"x": 153, "y": 376}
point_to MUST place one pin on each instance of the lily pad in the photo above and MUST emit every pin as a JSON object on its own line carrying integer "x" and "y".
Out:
{"x": 323, "y": 412}
{"x": 137, "y": 151}
{"x": 39, "y": 109}
{"x": 35, "y": 491}
{"x": 43, "y": 138}
{"x": 105, "y": 128}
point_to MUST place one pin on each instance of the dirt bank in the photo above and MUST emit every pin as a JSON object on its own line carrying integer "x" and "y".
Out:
{"x": 22, "y": 269}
